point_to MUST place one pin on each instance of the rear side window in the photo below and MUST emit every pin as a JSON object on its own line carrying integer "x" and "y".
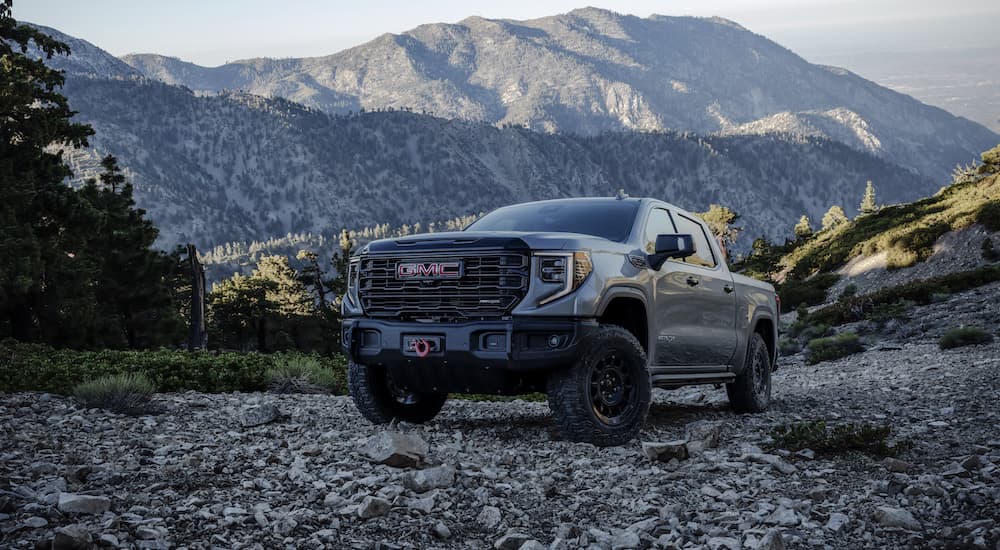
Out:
{"x": 658, "y": 223}
{"x": 703, "y": 251}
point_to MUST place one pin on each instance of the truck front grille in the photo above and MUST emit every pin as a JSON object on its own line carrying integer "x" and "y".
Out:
{"x": 490, "y": 286}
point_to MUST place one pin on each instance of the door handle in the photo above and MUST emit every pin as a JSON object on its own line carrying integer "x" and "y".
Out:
{"x": 692, "y": 281}
{"x": 729, "y": 289}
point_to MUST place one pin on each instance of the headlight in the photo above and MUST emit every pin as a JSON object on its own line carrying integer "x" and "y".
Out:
{"x": 352, "y": 273}
{"x": 568, "y": 269}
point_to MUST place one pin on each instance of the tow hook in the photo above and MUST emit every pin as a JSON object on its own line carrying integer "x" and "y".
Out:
{"x": 422, "y": 347}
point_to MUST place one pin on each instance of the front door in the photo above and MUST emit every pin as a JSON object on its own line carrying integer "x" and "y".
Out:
{"x": 695, "y": 305}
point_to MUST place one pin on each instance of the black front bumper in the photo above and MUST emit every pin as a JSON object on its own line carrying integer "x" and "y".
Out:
{"x": 504, "y": 356}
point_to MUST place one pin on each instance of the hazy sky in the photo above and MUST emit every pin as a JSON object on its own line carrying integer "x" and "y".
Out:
{"x": 210, "y": 32}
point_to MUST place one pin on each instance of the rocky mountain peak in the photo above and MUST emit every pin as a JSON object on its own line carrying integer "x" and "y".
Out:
{"x": 592, "y": 70}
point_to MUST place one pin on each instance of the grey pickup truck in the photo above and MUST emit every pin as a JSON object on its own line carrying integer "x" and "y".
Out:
{"x": 593, "y": 301}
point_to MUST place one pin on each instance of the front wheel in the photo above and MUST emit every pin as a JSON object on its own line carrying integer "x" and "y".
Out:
{"x": 381, "y": 402}
{"x": 751, "y": 391}
{"x": 603, "y": 399}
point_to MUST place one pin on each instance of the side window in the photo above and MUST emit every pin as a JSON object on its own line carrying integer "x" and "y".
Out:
{"x": 658, "y": 223}
{"x": 703, "y": 251}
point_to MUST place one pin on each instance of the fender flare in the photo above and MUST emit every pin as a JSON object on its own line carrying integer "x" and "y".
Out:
{"x": 622, "y": 291}
{"x": 632, "y": 292}
{"x": 758, "y": 316}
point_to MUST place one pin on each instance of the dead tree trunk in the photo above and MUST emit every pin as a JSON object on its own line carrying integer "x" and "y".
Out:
{"x": 199, "y": 336}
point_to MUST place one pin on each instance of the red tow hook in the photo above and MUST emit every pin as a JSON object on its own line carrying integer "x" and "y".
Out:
{"x": 422, "y": 347}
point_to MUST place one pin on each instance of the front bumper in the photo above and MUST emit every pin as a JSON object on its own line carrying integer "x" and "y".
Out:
{"x": 504, "y": 356}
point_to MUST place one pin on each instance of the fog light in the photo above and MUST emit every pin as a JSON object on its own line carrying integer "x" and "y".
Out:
{"x": 554, "y": 341}
{"x": 495, "y": 342}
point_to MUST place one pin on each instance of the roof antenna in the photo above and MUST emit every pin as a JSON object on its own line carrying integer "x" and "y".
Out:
{"x": 622, "y": 195}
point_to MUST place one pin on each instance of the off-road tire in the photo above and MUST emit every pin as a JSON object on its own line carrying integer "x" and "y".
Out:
{"x": 370, "y": 389}
{"x": 571, "y": 391}
{"x": 751, "y": 391}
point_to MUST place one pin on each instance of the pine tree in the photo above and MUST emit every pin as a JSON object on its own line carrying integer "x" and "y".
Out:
{"x": 720, "y": 221}
{"x": 313, "y": 277}
{"x": 41, "y": 219}
{"x": 284, "y": 290}
{"x": 133, "y": 283}
{"x": 834, "y": 217}
{"x": 868, "y": 203}
{"x": 803, "y": 229}
{"x": 238, "y": 312}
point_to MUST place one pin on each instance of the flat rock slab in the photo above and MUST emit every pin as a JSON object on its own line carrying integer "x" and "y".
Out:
{"x": 896, "y": 517}
{"x": 83, "y": 504}
{"x": 258, "y": 416}
{"x": 665, "y": 451}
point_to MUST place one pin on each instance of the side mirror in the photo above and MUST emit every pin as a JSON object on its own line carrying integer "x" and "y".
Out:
{"x": 670, "y": 246}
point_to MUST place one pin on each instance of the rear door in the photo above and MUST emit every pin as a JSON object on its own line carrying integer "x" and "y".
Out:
{"x": 695, "y": 304}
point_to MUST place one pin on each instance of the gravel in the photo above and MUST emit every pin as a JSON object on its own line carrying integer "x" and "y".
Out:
{"x": 490, "y": 474}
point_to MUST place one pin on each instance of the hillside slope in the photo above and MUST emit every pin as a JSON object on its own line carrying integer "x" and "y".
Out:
{"x": 593, "y": 70}
{"x": 236, "y": 167}
{"x": 901, "y": 235}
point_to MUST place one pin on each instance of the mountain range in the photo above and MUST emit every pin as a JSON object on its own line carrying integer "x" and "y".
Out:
{"x": 214, "y": 164}
{"x": 592, "y": 70}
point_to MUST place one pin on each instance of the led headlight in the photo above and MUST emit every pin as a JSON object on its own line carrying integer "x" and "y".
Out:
{"x": 352, "y": 272}
{"x": 568, "y": 269}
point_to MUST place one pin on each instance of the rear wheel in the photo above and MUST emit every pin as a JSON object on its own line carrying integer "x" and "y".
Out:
{"x": 604, "y": 398}
{"x": 751, "y": 391}
{"x": 381, "y": 401}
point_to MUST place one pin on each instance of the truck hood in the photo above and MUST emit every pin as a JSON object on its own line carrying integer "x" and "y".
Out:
{"x": 456, "y": 240}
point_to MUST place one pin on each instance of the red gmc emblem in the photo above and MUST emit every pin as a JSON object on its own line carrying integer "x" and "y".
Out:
{"x": 429, "y": 270}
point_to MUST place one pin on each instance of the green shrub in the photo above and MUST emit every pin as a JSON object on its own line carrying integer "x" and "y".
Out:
{"x": 833, "y": 347}
{"x": 898, "y": 258}
{"x": 896, "y": 311}
{"x": 919, "y": 292}
{"x": 920, "y": 241}
{"x": 302, "y": 374}
{"x": 801, "y": 312}
{"x": 811, "y": 332}
{"x": 789, "y": 346}
{"x": 36, "y": 367}
{"x": 849, "y": 291}
{"x": 818, "y": 437}
{"x": 989, "y": 215}
{"x": 990, "y": 254}
{"x": 121, "y": 393}
{"x": 964, "y": 336}
{"x": 810, "y": 292}
{"x": 939, "y": 297}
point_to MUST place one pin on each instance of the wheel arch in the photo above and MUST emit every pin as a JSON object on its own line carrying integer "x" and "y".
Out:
{"x": 627, "y": 307}
{"x": 762, "y": 323}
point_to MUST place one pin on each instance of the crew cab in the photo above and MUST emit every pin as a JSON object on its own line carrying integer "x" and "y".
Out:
{"x": 593, "y": 301}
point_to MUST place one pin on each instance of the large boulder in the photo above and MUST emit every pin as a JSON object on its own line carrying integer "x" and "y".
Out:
{"x": 396, "y": 449}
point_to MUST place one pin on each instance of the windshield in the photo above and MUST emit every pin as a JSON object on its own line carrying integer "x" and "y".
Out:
{"x": 609, "y": 219}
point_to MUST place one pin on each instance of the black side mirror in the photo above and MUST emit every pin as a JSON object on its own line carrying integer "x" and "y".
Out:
{"x": 670, "y": 246}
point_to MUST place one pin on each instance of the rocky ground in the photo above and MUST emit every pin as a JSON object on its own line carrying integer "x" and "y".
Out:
{"x": 199, "y": 474}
